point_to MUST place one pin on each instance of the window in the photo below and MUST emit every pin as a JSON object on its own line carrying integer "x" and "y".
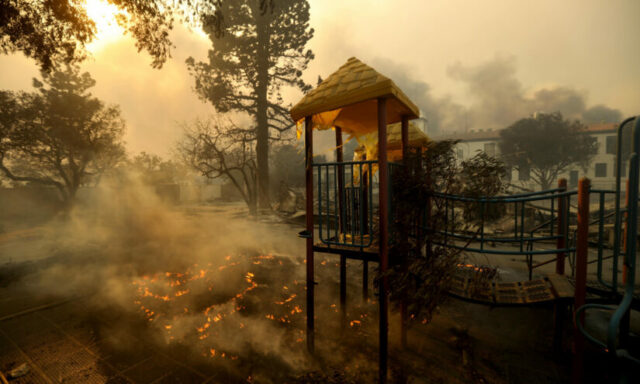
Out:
{"x": 490, "y": 149}
{"x": 460, "y": 154}
{"x": 601, "y": 170}
{"x": 524, "y": 173}
{"x": 611, "y": 145}
{"x": 573, "y": 178}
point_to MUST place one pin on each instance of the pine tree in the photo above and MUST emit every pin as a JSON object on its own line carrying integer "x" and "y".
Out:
{"x": 260, "y": 50}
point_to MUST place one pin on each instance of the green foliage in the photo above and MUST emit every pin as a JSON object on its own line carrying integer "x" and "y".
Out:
{"x": 547, "y": 144}
{"x": 57, "y": 31}
{"x": 258, "y": 53}
{"x": 421, "y": 268}
{"x": 60, "y": 135}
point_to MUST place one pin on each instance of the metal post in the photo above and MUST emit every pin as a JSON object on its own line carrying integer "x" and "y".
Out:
{"x": 343, "y": 258}
{"x": 625, "y": 322}
{"x": 403, "y": 306}
{"x": 617, "y": 323}
{"x": 383, "y": 186}
{"x": 308, "y": 143}
{"x": 562, "y": 232}
{"x": 616, "y": 230}
{"x": 625, "y": 231}
{"x": 582, "y": 250}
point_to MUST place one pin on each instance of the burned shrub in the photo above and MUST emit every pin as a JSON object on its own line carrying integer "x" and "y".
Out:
{"x": 422, "y": 264}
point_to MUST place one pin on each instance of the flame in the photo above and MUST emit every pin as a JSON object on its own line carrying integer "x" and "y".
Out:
{"x": 287, "y": 300}
{"x": 173, "y": 285}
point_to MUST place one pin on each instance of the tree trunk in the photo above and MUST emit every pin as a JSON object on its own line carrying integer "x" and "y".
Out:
{"x": 262, "y": 123}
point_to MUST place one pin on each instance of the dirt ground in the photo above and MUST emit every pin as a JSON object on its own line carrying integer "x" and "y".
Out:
{"x": 240, "y": 317}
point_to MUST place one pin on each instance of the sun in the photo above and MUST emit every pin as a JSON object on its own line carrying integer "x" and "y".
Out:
{"x": 107, "y": 29}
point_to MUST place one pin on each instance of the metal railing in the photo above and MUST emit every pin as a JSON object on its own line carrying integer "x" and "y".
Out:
{"x": 476, "y": 241}
{"x": 617, "y": 330}
{"x": 346, "y": 202}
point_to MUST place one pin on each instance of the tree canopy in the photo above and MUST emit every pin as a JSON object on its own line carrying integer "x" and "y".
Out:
{"x": 257, "y": 54}
{"x": 55, "y": 32}
{"x": 547, "y": 145}
{"x": 60, "y": 135}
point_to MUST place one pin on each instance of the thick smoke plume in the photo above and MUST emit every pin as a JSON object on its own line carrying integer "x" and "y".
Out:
{"x": 229, "y": 291}
{"x": 498, "y": 97}
{"x": 204, "y": 276}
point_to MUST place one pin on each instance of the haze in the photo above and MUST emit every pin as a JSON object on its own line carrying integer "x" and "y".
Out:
{"x": 579, "y": 53}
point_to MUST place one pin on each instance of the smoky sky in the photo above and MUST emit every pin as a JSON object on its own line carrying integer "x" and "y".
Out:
{"x": 466, "y": 64}
{"x": 498, "y": 97}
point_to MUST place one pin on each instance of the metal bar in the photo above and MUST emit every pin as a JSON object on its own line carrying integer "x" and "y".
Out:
{"x": 482, "y": 226}
{"x": 620, "y": 317}
{"x": 498, "y": 239}
{"x": 369, "y": 203}
{"x": 543, "y": 263}
{"x": 336, "y": 202}
{"x": 534, "y": 196}
{"x": 567, "y": 218}
{"x": 349, "y": 162}
{"x": 383, "y": 171}
{"x": 326, "y": 188}
{"x": 582, "y": 251}
{"x": 362, "y": 192}
{"x": 340, "y": 171}
{"x": 320, "y": 219}
{"x": 522, "y": 211}
{"x": 403, "y": 305}
{"x": 354, "y": 204}
{"x": 505, "y": 253}
{"x": 600, "y": 236}
{"x": 553, "y": 201}
{"x": 625, "y": 242}
{"x": 308, "y": 143}
{"x": 616, "y": 240}
{"x": 562, "y": 218}
{"x": 343, "y": 290}
{"x": 515, "y": 220}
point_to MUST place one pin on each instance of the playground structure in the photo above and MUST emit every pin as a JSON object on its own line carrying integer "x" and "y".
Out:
{"x": 353, "y": 217}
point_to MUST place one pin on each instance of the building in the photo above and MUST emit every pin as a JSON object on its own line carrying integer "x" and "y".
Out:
{"x": 601, "y": 170}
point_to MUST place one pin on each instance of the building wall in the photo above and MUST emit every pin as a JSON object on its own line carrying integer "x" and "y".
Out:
{"x": 466, "y": 149}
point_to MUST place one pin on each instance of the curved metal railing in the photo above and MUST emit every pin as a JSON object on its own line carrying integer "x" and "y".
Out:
{"x": 622, "y": 309}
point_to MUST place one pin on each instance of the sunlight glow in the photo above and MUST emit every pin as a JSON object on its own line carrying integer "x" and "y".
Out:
{"x": 108, "y": 30}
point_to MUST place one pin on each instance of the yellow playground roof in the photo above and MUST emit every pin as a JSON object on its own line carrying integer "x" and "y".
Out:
{"x": 417, "y": 138}
{"x": 347, "y": 99}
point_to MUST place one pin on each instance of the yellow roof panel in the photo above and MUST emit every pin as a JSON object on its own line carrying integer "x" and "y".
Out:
{"x": 416, "y": 136}
{"x": 352, "y": 84}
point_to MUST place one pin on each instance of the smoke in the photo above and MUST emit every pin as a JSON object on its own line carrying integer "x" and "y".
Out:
{"x": 201, "y": 276}
{"x": 498, "y": 97}
{"x": 441, "y": 112}
{"x": 227, "y": 289}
